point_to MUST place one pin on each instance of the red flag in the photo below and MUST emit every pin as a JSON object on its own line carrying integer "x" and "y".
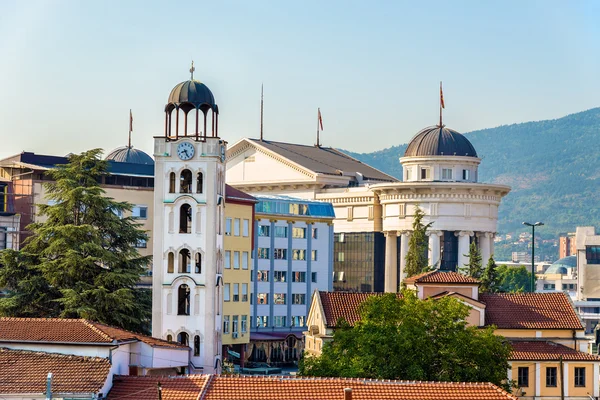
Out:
{"x": 130, "y": 121}
{"x": 320, "y": 119}
{"x": 441, "y": 96}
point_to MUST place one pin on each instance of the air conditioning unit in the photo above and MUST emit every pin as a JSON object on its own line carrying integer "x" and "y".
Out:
{"x": 234, "y": 335}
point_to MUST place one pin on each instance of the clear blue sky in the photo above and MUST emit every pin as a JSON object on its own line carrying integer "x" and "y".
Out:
{"x": 71, "y": 70}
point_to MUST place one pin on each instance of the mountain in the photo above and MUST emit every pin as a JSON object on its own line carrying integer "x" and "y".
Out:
{"x": 552, "y": 166}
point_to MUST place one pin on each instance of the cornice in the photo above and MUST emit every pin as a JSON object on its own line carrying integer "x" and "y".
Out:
{"x": 437, "y": 196}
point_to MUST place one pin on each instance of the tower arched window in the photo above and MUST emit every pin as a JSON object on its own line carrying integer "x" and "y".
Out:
{"x": 185, "y": 261}
{"x": 199, "y": 182}
{"x": 171, "y": 262}
{"x": 169, "y": 338}
{"x": 183, "y": 300}
{"x": 185, "y": 218}
{"x": 172, "y": 178}
{"x": 198, "y": 263}
{"x": 183, "y": 338}
{"x": 185, "y": 181}
{"x": 196, "y": 346}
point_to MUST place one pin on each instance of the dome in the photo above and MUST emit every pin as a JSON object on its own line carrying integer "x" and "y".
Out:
{"x": 192, "y": 94}
{"x": 129, "y": 155}
{"x": 439, "y": 141}
{"x": 563, "y": 265}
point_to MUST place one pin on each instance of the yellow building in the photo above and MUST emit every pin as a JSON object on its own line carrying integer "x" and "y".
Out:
{"x": 239, "y": 217}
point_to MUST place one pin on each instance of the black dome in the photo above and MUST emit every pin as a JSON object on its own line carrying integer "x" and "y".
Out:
{"x": 129, "y": 155}
{"x": 439, "y": 141}
{"x": 192, "y": 94}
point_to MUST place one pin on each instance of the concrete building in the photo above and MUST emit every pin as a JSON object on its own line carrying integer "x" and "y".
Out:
{"x": 567, "y": 245}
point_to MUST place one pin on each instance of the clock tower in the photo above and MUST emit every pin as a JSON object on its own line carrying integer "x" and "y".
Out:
{"x": 189, "y": 192}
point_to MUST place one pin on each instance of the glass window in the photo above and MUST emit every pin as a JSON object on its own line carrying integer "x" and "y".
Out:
{"x": 245, "y": 257}
{"x": 140, "y": 244}
{"x": 299, "y": 233}
{"x": 228, "y": 226}
{"x": 298, "y": 254}
{"x": 314, "y": 233}
{"x": 140, "y": 212}
{"x": 340, "y": 256}
{"x": 279, "y": 276}
{"x": 236, "y": 260}
{"x": 278, "y": 298}
{"x": 446, "y": 173}
{"x": 234, "y": 325}
{"x": 262, "y": 298}
{"x": 263, "y": 253}
{"x": 262, "y": 276}
{"x": 298, "y": 321}
{"x": 262, "y": 321}
{"x": 523, "y": 376}
{"x": 408, "y": 174}
{"x": 551, "y": 376}
{"x": 592, "y": 254}
{"x": 225, "y": 323}
{"x": 246, "y": 228}
{"x": 281, "y": 231}
{"x": 299, "y": 298}
{"x": 196, "y": 346}
{"x": 227, "y": 259}
{"x": 236, "y": 292}
{"x": 263, "y": 230}
{"x": 226, "y": 292}
{"x": 466, "y": 174}
{"x": 280, "y": 254}
{"x": 313, "y": 277}
{"x": 579, "y": 376}
{"x": 313, "y": 255}
{"x": 279, "y": 321}
{"x": 425, "y": 173}
{"x": 236, "y": 227}
{"x": 298, "y": 276}
{"x": 244, "y": 323}
{"x": 244, "y": 292}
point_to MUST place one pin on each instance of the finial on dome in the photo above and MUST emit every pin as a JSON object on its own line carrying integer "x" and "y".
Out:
{"x": 192, "y": 70}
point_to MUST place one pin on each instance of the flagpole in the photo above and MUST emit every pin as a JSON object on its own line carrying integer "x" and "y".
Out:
{"x": 318, "y": 123}
{"x": 261, "y": 112}
{"x": 440, "y": 104}
{"x": 130, "y": 126}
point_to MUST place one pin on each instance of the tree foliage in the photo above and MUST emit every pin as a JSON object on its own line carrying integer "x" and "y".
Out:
{"x": 513, "y": 280}
{"x": 474, "y": 268}
{"x": 416, "y": 256}
{"x": 81, "y": 260}
{"x": 490, "y": 280}
{"x": 412, "y": 339}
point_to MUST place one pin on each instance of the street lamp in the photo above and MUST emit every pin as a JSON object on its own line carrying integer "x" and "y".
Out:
{"x": 533, "y": 251}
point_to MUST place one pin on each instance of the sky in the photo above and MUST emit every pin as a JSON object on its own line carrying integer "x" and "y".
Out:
{"x": 70, "y": 71}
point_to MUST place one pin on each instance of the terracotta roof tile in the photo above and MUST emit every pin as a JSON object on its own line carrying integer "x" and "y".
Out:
{"x": 23, "y": 371}
{"x": 233, "y": 194}
{"x": 69, "y": 330}
{"x": 530, "y": 311}
{"x": 145, "y": 387}
{"x": 343, "y": 304}
{"x": 547, "y": 351}
{"x": 438, "y": 276}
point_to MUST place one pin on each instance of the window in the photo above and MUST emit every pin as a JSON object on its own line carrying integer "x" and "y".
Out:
{"x": 234, "y": 325}
{"x": 262, "y": 276}
{"x": 185, "y": 218}
{"x": 263, "y": 253}
{"x": 185, "y": 181}
{"x": 262, "y": 298}
{"x": 169, "y": 338}
{"x": 549, "y": 286}
{"x": 551, "y": 376}
{"x": 244, "y": 292}
{"x": 425, "y": 173}
{"x": 568, "y": 286}
{"x": 298, "y": 321}
{"x": 262, "y": 321}
{"x": 299, "y": 298}
{"x": 141, "y": 244}
{"x": 172, "y": 182}
{"x": 183, "y": 300}
{"x": 246, "y": 228}
{"x": 244, "y": 323}
{"x": 236, "y": 260}
{"x": 446, "y": 173}
{"x": 279, "y": 298}
{"x": 466, "y": 174}
{"x": 171, "y": 263}
{"x": 299, "y": 254}
{"x": 281, "y": 231}
{"x": 140, "y": 212}
{"x": 313, "y": 255}
{"x": 408, "y": 174}
{"x": 228, "y": 226}
{"x": 592, "y": 254}
{"x": 579, "y": 376}
{"x": 298, "y": 276}
{"x": 523, "y": 377}
{"x": 245, "y": 260}
{"x": 299, "y": 233}
{"x": 279, "y": 321}
{"x": 280, "y": 254}
{"x": 183, "y": 338}
{"x": 314, "y": 233}
{"x": 198, "y": 263}
{"x": 279, "y": 276}
{"x": 263, "y": 230}
{"x": 236, "y": 227}
{"x": 227, "y": 259}
{"x": 196, "y": 346}
{"x": 199, "y": 182}
{"x": 225, "y": 323}
{"x": 340, "y": 256}
{"x": 236, "y": 292}
{"x": 185, "y": 261}
{"x": 226, "y": 294}
{"x": 313, "y": 277}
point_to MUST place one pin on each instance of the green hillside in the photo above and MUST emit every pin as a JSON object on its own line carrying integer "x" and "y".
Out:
{"x": 552, "y": 166}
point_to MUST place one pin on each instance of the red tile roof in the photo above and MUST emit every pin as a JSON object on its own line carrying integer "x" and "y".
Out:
{"x": 69, "y": 330}
{"x": 547, "y": 351}
{"x": 233, "y": 194}
{"x": 343, "y": 304}
{"x": 530, "y": 311}
{"x": 293, "y": 388}
{"x": 23, "y": 371}
{"x": 438, "y": 276}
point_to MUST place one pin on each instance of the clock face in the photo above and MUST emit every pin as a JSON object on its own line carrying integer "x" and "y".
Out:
{"x": 185, "y": 150}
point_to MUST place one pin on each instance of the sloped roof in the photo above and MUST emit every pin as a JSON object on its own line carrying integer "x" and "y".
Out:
{"x": 61, "y": 330}
{"x": 324, "y": 160}
{"x": 217, "y": 387}
{"x": 439, "y": 276}
{"x": 530, "y": 311}
{"x": 23, "y": 371}
{"x": 547, "y": 351}
{"x": 233, "y": 194}
{"x": 343, "y": 304}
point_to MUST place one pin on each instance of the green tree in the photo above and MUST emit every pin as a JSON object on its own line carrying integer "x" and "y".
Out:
{"x": 474, "y": 268}
{"x": 513, "y": 280}
{"x": 490, "y": 280}
{"x": 81, "y": 261}
{"x": 416, "y": 256}
{"x": 412, "y": 339}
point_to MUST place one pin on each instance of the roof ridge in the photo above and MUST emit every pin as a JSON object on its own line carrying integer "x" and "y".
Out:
{"x": 92, "y": 326}
{"x": 54, "y": 355}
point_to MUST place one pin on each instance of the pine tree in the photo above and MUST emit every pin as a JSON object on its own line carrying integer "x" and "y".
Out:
{"x": 474, "y": 268}
{"x": 490, "y": 280}
{"x": 416, "y": 257}
{"x": 82, "y": 261}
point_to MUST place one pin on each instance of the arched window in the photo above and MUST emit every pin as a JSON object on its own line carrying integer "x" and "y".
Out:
{"x": 169, "y": 338}
{"x": 185, "y": 181}
{"x": 185, "y": 261}
{"x": 185, "y": 218}
{"x": 183, "y": 300}
{"x": 183, "y": 338}
{"x": 196, "y": 346}
{"x": 199, "y": 182}
{"x": 198, "y": 263}
{"x": 171, "y": 263}
{"x": 172, "y": 182}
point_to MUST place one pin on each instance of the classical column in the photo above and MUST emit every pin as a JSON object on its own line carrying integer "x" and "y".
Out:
{"x": 434, "y": 248}
{"x": 484, "y": 240}
{"x": 463, "y": 247}
{"x": 404, "y": 238}
{"x": 391, "y": 262}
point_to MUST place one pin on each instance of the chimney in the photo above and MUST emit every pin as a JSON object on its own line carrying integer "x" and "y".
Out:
{"x": 348, "y": 394}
